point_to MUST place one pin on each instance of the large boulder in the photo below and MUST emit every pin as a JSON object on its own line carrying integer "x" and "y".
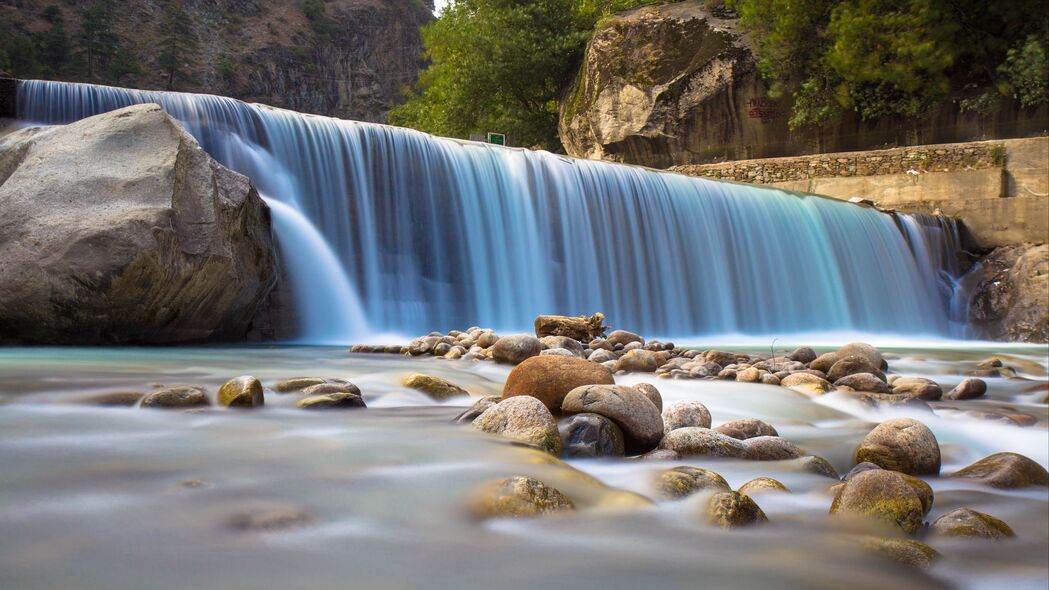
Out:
{"x": 120, "y": 229}
{"x": 1008, "y": 302}
{"x": 1006, "y": 471}
{"x": 550, "y": 378}
{"x": 883, "y": 497}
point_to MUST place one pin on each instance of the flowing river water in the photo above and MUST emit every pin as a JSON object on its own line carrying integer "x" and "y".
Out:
{"x": 111, "y": 498}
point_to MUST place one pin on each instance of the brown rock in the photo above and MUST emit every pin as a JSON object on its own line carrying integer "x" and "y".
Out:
{"x": 631, "y": 410}
{"x": 679, "y": 482}
{"x": 969, "y": 388}
{"x": 918, "y": 388}
{"x": 850, "y": 365}
{"x": 684, "y": 414}
{"x": 880, "y": 496}
{"x": 965, "y": 522}
{"x": 651, "y": 393}
{"x": 518, "y": 497}
{"x": 522, "y": 418}
{"x": 515, "y": 349}
{"x": 184, "y": 396}
{"x": 471, "y": 413}
{"x": 745, "y": 428}
{"x": 241, "y": 392}
{"x": 762, "y": 485}
{"x": 771, "y": 448}
{"x": 1006, "y": 471}
{"x": 825, "y": 361}
{"x": 692, "y": 441}
{"x": 903, "y": 445}
{"x": 733, "y": 509}
{"x": 641, "y": 361}
{"x": 435, "y": 387}
{"x": 549, "y": 379}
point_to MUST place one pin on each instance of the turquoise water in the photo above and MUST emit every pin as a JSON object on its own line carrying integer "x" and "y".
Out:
{"x": 114, "y": 498}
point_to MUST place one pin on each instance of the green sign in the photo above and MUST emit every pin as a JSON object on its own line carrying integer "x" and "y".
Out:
{"x": 497, "y": 138}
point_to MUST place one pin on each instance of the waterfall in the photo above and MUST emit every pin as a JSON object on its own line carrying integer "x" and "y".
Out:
{"x": 436, "y": 233}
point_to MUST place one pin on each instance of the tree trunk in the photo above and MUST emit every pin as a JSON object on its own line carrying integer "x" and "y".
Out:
{"x": 581, "y": 328}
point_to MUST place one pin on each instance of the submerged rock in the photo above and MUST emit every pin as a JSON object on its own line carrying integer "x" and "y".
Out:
{"x": 631, "y": 410}
{"x": 863, "y": 382}
{"x": 522, "y": 418}
{"x": 1005, "y": 471}
{"x": 745, "y": 428}
{"x": 732, "y": 510}
{"x": 918, "y": 388}
{"x": 435, "y": 387}
{"x": 683, "y": 414}
{"x": 332, "y": 401}
{"x": 241, "y": 392}
{"x": 549, "y": 379}
{"x": 905, "y": 551}
{"x": 269, "y": 518}
{"x": 807, "y": 383}
{"x": 969, "y": 388}
{"x": 679, "y": 482}
{"x": 692, "y": 442}
{"x": 965, "y": 522}
{"x": 591, "y": 435}
{"x": 333, "y": 387}
{"x": 518, "y": 497}
{"x": 762, "y": 485}
{"x": 300, "y": 383}
{"x": 183, "y": 396}
{"x": 471, "y": 413}
{"x": 771, "y": 448}
{"x": 903, "y": 445}
{"x": 881, "y": 496}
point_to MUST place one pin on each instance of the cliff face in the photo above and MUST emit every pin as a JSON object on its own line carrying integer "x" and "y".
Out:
{"x": 675, "y": 84}
{"x": 351, "y": 60}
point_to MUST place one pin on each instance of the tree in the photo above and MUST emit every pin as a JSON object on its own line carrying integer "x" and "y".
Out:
{"x": 179, "y": 43}
{"x": 97, "y": 42}
{"x": 55, "y": 49}
{"x": 501, "y": 65}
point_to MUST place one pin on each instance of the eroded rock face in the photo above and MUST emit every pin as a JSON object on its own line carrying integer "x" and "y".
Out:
{"x": 660, "y": 86}
{"x": 121, "y": 229}
{"x": 1009, "y": 300}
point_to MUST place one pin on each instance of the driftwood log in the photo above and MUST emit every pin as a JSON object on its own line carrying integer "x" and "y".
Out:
{"x": 581, "y": 328}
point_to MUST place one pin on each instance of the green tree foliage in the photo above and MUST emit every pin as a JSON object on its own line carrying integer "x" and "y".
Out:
{"x": 501, "y": 65}
{"x": 178, "y": 43}
{"x": 896, "y": 57}
{"x": 103, "y": 54}
{"x": 55, "y": 50}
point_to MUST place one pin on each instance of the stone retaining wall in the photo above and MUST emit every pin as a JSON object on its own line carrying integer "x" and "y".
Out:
{"x": 999, "y": 189}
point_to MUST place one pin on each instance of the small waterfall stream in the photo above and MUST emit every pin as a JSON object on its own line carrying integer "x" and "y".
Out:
{"x": 434, "y": 233}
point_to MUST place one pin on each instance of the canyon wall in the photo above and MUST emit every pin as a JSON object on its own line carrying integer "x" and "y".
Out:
{"x": 676, "y": 84}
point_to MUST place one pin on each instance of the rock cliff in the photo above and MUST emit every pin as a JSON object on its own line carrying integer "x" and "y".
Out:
{"x": 351, "y": 61}
{"x": 1011, "y": 298}
{"x": 121, "y": 229}
{"x": 677, "y": 84}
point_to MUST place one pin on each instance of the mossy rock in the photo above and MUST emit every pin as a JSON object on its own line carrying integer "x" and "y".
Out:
{"x": 435, "y": 387}
{"x": 518, "y": 497}
{"x": 965, "y": 522}
{"x": 883, "y": 497}
{"x": 183, "y": 396}
{"x": 241, "y": 392}
{"x": 733, "y": 509}
{"x": 762, "y": 485}
{"x": 1006, "y": 471}
{"x": 905, "y": 551}
{"x": 903, "y": 445}
{"x": 332, "y": 401}
{"x": 679, "y": 482}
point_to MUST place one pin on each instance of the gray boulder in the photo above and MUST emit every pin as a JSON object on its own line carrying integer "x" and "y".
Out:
{"x": 120, "y": 229}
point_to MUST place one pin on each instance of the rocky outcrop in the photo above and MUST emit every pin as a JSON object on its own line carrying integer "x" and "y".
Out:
{"x": 352, "y": 60}
{"x": 1010, "y": 294}
{"x": 676, "y": 84}
{"x": 121, "y": 229}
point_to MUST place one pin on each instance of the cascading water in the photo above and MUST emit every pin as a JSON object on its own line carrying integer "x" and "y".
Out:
{"x": 438, "y": 233}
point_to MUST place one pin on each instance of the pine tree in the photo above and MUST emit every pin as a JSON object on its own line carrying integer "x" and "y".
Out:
{"x": 97, "y": 42}
{"x": 178, "y": 44}
{"x": 54, "y": 44}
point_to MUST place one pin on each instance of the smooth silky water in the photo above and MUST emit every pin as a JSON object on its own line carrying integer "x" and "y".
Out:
{"x": 109, "y": 498}
{"x": 385, "y": 230}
